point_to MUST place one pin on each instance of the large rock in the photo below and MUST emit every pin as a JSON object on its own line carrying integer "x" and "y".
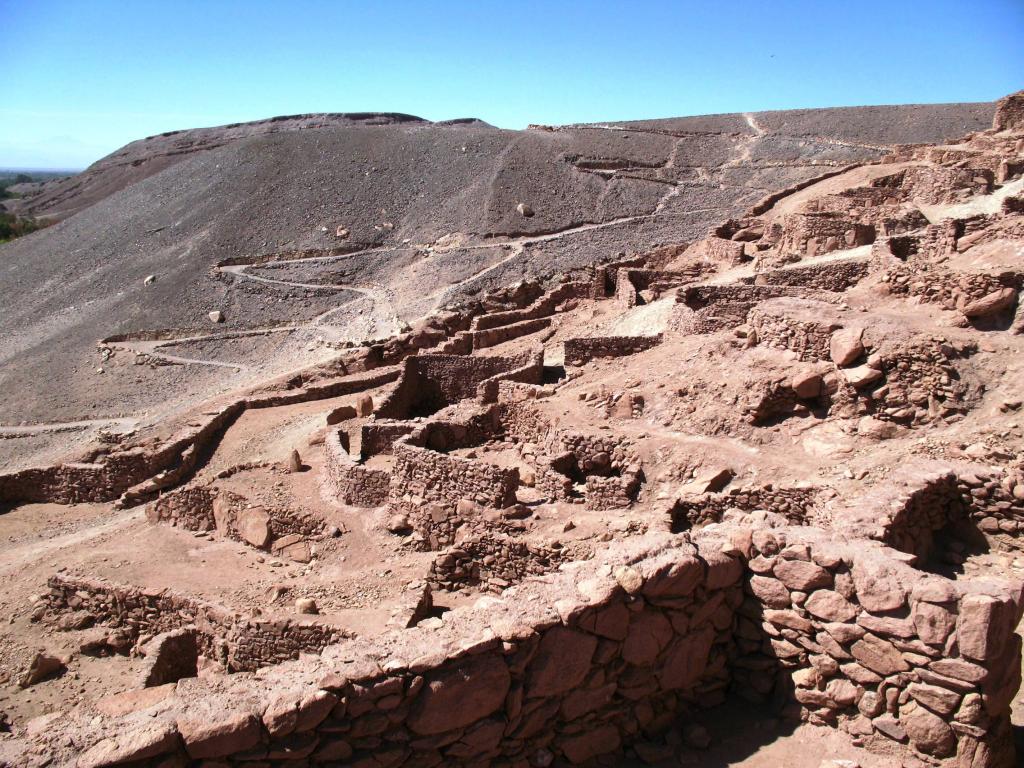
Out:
{"x": 861, "y": 376}
{"x": 846, "y": 345}
{"x": 591, "y": 743}
{"x": 878, "y": 655}
{"x": 649, "y": 633}
{"x": 927, "y": 731}
{"x": 991, "y": 304}
{"x": 218, "y": 733}
{"x": 254, "y": 526}
{"x": 878, "y": 588}
{"x": 42, "y": 667}
{"x": 830, "y": 606}
{"x": 802, "y": 575}
{"x": 806, "y": 384}
{"x": 561, "y": 663}
{"x": 686, "y": 660}
{"x": 460, "y": 694}
{"x": 131, "y": 745}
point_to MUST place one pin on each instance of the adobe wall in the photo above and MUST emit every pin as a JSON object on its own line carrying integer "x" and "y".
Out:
{"x": 589, "y": 658}
{"x": 349, "y": 481}
{"x": 580, "y": 351}
{"x": 239, "y": 644}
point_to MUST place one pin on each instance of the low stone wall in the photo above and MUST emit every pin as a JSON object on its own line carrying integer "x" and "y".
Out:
{"x": 814, "y": 233}
{"x": 377, "y": 437}
{"x": 864, "y": 641}
{"x": 542, "y": 307}
{"x": 494, "y": 336}
{"x": 349, "y": 481}
{"x": 803, "y": 326}
{"x": 594, "y": 656}
{"x": 924, "y": 498}
{"x": 493, "y": 561}
{"x": 532, "y": 372}
{"x": 581, "y": 351}
{"x": 207, "y": 508}
{"x": 933, "y": 184}
{"x": 833, "y": 276}
{"x": 711, "y": 308}
{"x": 612, "y": 492}
{"x": 421, "y": 475}
{"x": 238, "y": 644}
{"x": 796, "y": 505}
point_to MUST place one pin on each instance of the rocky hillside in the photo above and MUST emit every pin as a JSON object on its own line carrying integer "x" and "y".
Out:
{"x": 333, "y": 229}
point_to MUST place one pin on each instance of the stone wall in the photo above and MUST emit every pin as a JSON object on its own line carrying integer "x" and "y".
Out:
{"x": 349, "y": 481}
{"x": 378, "y": 436}
{"x": 803, "y": 326}
{"x": 796, "y": 505}
{"x": 600, "y": 654}
{"x": 813, "y": 233}
{"x": 581, "y": 351}
{"x": 421, "y": 475}
{"x": 711, "y": 308}
{"x": 542, "y": 307}
{"x": 531, "y": 372}
{"x": 833, "y": 276}
{"x": 493, "y": 561}
{"x": 238, "y": 644}
{"x": 932, "y": 184}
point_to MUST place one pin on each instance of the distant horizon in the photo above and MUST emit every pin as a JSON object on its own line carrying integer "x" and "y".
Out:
{"x": 83, "y": 80}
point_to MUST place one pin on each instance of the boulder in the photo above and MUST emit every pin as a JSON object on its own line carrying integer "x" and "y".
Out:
{"x": 524, "y": 210}
{"x": 846, "y": 345}
{"x": 364, "y": 405}
{"x": 861, "y": 376}
{"x": 806, "y": 384}
{"x": 216, "y": 316}
{"x": 460, "y": 693}
{"x": 342, "y": 413}
{"x": 561, "y": 663}
{"x": 218, "y": 733}
{"x": 306, "y": 605}
{"x": 991, "y": 303}
{"x": 42, "y": 667}
{"x": 253, "y": 526}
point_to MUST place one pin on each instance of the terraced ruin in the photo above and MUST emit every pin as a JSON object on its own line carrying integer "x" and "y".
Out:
{"x": 577, "y": 521}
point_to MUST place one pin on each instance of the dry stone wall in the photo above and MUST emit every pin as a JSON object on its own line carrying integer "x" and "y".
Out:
{"x": 349, "y": 481}
{"x": 580, "y": 351}
{"x": 238, "y": 644}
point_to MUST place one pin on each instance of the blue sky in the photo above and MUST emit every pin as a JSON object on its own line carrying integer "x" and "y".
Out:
{"x": 81, "y": 79}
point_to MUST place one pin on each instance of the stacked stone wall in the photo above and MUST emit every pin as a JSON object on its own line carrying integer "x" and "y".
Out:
{"x": 802, "y": 326}
{"x": 349, "y": 481}
{"x": 834, "y": 276}
{"x": 581, "y": 351}
{"x": 492, "y": 560}
{"x": 239, "y": 644}
{"x": 795, "y": 505}
{"x": 813, "y": 234}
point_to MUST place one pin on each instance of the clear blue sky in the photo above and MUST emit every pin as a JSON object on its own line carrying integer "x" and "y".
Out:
{"x": 81, "y": 78}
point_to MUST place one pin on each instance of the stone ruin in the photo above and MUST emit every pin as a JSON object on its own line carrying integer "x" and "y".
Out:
{"x": 848, "y": 610}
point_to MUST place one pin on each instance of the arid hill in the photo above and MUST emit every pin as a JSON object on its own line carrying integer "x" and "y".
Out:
{"x": 385, "y": 216}
{"x": 750, "y": 497}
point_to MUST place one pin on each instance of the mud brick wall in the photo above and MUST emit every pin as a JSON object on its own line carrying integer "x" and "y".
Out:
{"x": 801, "y": 326}
{"x": 493, "y": 561}
{"x": 812, "y": 234}
{"x": 351, "y": 482}
{"x": 422, "y": 475}
{"x": 862, "y": 640}
{"x": 378, "y": 436}
{"x": 837, "y": 276}
{"x": 796, "y": 505}
{"x": 580, "y": 351}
